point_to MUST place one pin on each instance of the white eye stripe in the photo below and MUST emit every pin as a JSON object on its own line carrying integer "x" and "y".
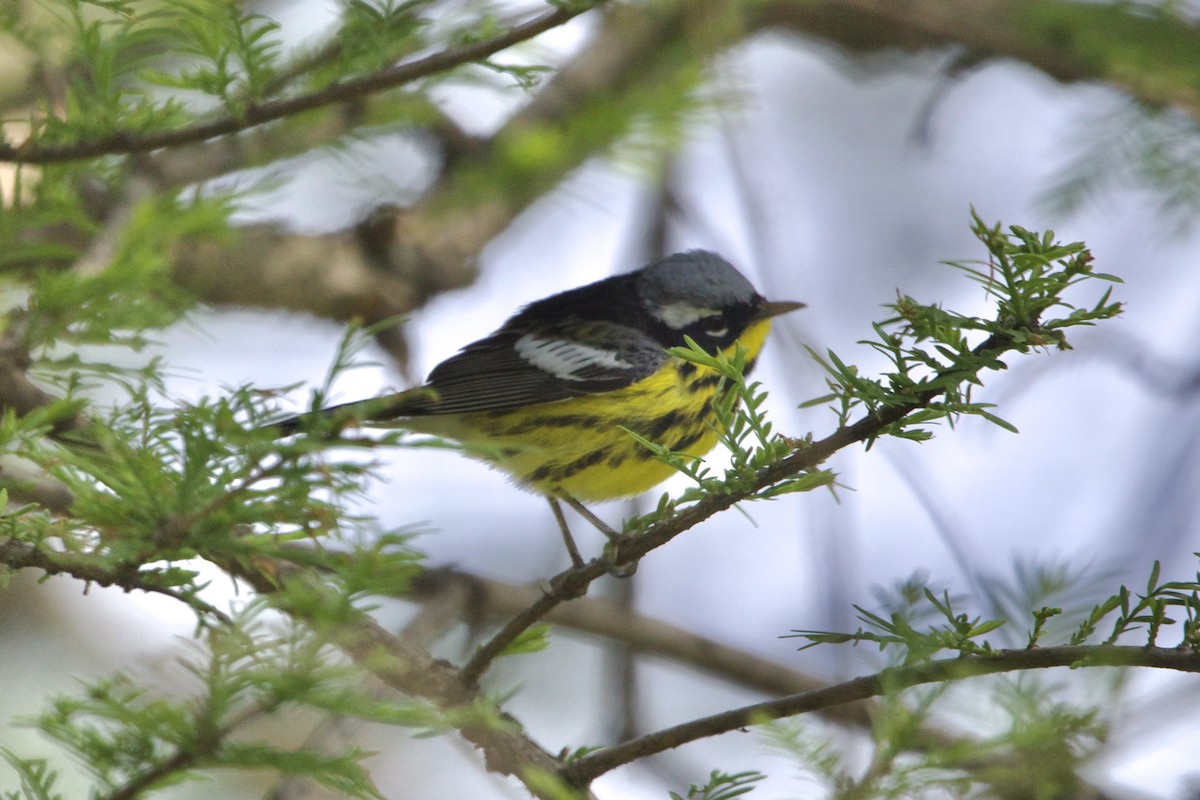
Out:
{"x": 566, "y": 360}
{"x": 680, "y": 315}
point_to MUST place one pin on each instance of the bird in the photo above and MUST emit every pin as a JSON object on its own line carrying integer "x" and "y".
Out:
{"x": 549, "y": 396}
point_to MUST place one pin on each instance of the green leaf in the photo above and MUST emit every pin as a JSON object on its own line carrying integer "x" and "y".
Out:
{"x": 37, "y": 779}
{"x": 532, "y": 640}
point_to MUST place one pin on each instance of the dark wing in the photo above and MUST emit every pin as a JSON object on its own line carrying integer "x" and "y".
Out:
{"x": 517, "y": 367}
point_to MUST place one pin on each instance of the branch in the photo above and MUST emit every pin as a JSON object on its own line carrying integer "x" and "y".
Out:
{"x": 26, "y": 482}
{"x": 480, "y": 598}
{"x": 185, "y": 165}
{"x": 407, "y": 255}
{"x": 398, "y": 662}
{"x": 24, "y": 555}
{"x": 1147, "y": 55}
{"x": 586, "y": 107}
{"x": 128, "y": 142}
{"x": 396, "y": 258}
{"x": 333, "y": 734}
{"x": 888, "y": 681}
{"x": 197, "y": 752}
{"x": 404, "y": 666}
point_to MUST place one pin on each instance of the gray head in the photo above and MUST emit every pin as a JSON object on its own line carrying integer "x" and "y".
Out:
{"x": 700, "y": 294}
{"x": 691, "y": 285}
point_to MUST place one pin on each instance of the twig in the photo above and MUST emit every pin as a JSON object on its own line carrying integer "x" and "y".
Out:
{"x": 197, "y": 752}
{"x": 567, "y": 585}
{"x": 26, "y": 482}
{"x": 127, "y": 142}
{"x": 488, "y": 598}
{"x": 586, "y": 769}
{"x": 23, "y": 555}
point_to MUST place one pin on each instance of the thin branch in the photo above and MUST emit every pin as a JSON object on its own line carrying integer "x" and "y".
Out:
{"x": 487, "y": 598}
{"x": 198, "y": 751}
{"x": 586, "y": 769}
{"x": 128, "y": 142}
{"x": 23, "y": 555}
{"x": 26, "y": 482}
{"x": 177, "y": 167}
{"x": 568, "y": 585}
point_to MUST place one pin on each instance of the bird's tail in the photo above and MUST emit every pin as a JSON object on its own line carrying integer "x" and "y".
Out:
{"x": 375, "y": 411}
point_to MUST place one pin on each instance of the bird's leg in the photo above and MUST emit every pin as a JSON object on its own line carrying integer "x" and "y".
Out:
{"x": 614, "y": 538}
{"x": 597, "y": 523}
{"x": 572, "y": 550}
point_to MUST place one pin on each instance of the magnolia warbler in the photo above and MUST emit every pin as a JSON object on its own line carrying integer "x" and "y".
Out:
{"x": 548, "y": 397}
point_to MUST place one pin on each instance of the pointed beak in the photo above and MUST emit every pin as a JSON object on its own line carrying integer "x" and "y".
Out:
{"x": 773, "y": 308}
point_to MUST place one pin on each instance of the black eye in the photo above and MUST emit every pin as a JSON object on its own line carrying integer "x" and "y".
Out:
{"x": 712, "y": 326}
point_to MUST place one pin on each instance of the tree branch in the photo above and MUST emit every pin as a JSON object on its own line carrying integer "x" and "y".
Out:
{"x": 128, "y": 142}
{"x": 481, "y": 598}
{"x": 404, "y": 666}
{"x": 333, "y": 734}
{"x": 199, "y": 750}
{"x": 24, "y": 555}
{"x": 26, "y": 482}
{"x": 1150, "y": 56}
{"x": 586, "y": 769}
{"x": 398, "y": 662}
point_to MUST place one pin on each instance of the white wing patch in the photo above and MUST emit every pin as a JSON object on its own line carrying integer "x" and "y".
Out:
{"x": 569, "y": 361}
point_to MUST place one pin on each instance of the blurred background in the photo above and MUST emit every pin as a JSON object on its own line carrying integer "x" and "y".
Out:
{"x": 833, "y": 151}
